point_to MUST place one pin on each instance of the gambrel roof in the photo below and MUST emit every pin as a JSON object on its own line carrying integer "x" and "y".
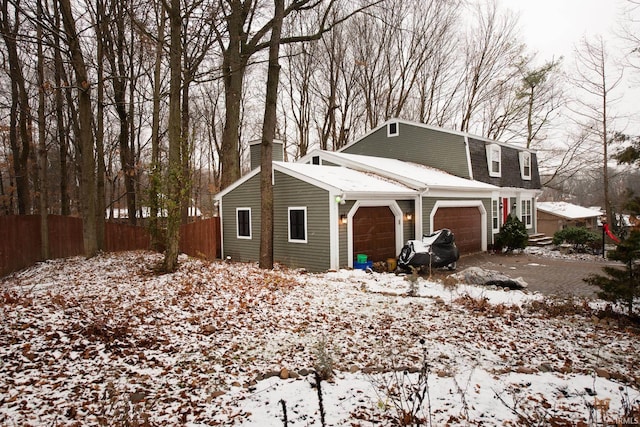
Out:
{"x": 414, "y": 175}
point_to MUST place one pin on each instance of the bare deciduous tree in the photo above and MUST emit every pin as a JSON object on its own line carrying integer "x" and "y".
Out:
{"x": 21, "y": 120}
{"x": 492, "y": 51}
{"x": 596, "y": 78}
{"x": 85, "y": 130}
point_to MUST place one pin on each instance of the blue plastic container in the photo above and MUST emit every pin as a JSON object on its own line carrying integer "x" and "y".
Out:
{"x": 362, "y": 265}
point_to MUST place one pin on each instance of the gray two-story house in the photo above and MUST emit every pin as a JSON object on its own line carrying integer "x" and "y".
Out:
{"x": 400, "y": 181}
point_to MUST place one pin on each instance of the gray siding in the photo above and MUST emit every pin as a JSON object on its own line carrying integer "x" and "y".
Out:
{"x": 254, "y": 153}
{"x": 438, "y": 149}
{"x": 246, "y": 195}
{"x": 315, "y": 254}
{"x": 408, "y": 227}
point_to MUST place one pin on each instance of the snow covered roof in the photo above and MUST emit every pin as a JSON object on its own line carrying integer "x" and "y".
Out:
{"x": 567, "y": 210}
{"x": 344, "y": 179}
{"x": 413, "y": 174}
{"x": 121, "y": 213}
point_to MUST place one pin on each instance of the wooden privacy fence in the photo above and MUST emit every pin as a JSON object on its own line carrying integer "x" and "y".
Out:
{"x": 201, "y": 238}
{"x": 20, "y": 239}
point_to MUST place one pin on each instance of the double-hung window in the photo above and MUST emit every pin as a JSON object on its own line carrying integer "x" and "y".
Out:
{"x": 495, "y": 215}
{"x": 243, "y": 223}
{"x": 494, "y": 160}
{"x": 526, "y": 213}
{"x": 298, "y": 224}
{"x": 525, "y": 165}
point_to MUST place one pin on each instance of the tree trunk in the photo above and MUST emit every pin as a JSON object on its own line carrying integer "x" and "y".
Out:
{"x": 234, "y": 69}
{"x": 268, "y": 133}
{"x": 20, "y": 136}
{"x": 101, "y": 207}
{"x": 185, "y": 149}
{"x": 154, "y": 188}
{"x": 175, "y": 168}
{"x": 86, "y": 143}
{"x": 42, "y": 144}
{"x": 114, "y": 35}
{"x": 65, "y": 202}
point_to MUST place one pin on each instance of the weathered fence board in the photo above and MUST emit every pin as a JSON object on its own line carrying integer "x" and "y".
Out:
{"x": 65, "y": 236}
{"x": 201, "y": 238}
{"x": 125, "y": 237}
{"x": 20, "y": 241}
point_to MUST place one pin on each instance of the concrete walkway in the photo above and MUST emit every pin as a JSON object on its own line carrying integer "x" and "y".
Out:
{"x": 549, "y": 276}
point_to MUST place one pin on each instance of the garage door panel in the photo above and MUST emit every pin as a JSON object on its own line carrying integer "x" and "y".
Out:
{"x": 466, "y": 225}
{"x": 374, "y": 233}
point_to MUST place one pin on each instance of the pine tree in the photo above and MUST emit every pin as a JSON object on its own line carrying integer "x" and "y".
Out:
{"x": 513, "y": 234}
{"x": 621, "y": 285}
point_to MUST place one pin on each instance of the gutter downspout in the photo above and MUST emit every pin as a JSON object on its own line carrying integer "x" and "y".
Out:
{"x": 466, "y": 146}
{"x": 334, "y": 231}
{"x": 419, "y": 228}
{"x": 221, "y": 228}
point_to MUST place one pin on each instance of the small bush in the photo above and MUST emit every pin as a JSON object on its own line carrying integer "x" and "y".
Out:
{"x": 324, "y": 362}
{"x": 579, "y": 237}
{"x": 559, "y": 307}
{"x": 513, "y": 235}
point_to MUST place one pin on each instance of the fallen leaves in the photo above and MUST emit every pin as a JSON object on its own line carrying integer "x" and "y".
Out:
{"x": 87, "y": 341}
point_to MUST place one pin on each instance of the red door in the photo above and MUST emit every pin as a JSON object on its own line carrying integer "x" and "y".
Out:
{"x": 505, "y": 209}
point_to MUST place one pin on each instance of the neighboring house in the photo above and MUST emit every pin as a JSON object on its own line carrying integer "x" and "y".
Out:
{"x": 400, "y": 181}
{"x": 123, "y": 213}
{"x": 556, "y": 216}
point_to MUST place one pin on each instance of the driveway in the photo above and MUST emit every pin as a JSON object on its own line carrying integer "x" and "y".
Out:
{"x": 549, "y": 276}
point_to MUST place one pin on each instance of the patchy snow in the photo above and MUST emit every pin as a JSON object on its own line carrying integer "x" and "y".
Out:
{"x": 108, "y": 341}
{"x": 345, "y": 179}
{"x": 567, "y": 210}
{"x": 553, "y": 253}
{"x": 408, "y": 172}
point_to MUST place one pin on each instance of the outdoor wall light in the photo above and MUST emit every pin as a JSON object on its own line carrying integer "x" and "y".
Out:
{"x": 343, "y": 219}
{"x": 408, "y": 216}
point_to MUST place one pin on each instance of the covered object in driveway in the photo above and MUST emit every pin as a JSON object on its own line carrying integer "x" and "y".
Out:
{"x": 435, "y": 250}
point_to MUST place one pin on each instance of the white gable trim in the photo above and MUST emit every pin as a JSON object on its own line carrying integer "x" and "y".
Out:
{"x": 302, "y": 177}
{"x": 237, "y": 184}
{"x": 364, "y": 167}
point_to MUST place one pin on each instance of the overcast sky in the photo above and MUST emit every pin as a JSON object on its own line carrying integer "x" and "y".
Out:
{"x": 554, "y": 27}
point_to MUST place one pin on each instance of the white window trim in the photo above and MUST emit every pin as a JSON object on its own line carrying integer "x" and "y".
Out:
{"x": 306, "y": 234}
{"x": 250, "y": 236}
{"x": 522, "y": 156}
{"x": 523, "y": 212}
{"x": 490, "y": 148}
{"x": 495, "y": 214}
{"x": 463, "y": 204}
{"x": 396, "y": 133}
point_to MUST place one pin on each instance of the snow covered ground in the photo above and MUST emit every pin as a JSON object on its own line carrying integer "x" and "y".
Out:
{"x": 107, "y": 341}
